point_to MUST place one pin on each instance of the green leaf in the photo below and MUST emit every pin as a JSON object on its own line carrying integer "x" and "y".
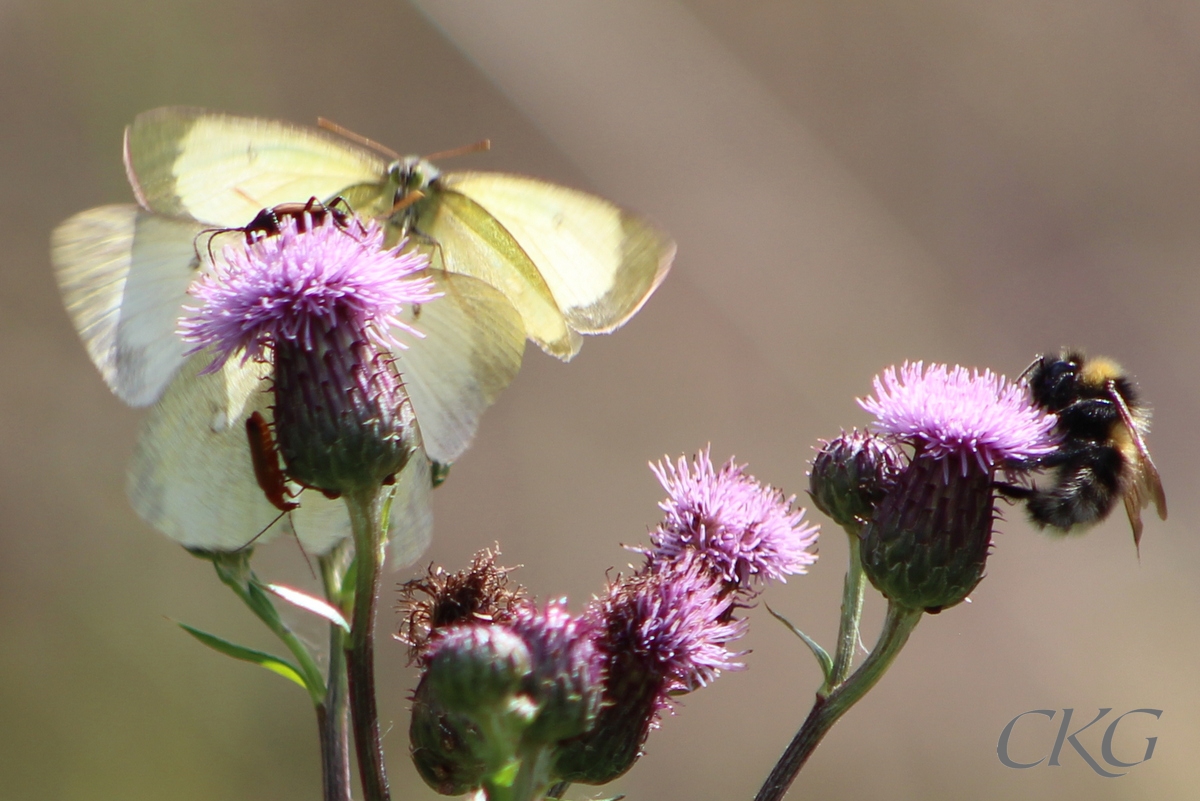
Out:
{"x": 271, "y": 663}
{"x": 348, "y": 583}
{"x": 260, "y": 603}
{"x": 310, "y": 603}
{"x": 823, "y": 658}
{"x": 386, "y": 511}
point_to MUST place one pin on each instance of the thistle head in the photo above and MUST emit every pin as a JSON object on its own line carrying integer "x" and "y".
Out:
{"x": 850, "y": 475}
{"x": 320, "y": 302}
{"x": 927, "y": 541}
{"x": 744, "y": 531}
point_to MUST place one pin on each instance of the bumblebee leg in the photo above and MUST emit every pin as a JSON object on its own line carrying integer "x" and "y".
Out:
{"x": 1014, "y": 491}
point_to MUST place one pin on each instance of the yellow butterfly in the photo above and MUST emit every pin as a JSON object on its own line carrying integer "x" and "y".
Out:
{"x": 514, "y": 256}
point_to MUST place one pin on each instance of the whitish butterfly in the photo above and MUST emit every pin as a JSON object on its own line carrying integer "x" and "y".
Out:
{"x": 514, "y": 257}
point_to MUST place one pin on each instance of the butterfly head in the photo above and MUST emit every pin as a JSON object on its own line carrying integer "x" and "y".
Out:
{"x": 411, "y": 174}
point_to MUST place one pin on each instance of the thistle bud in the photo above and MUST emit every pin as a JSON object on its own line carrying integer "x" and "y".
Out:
{"x": 470, "y": 710}
{"x": 476, "y": 669}
{"x": 851, "y": 474}
{"x": 448, "y": 750}
{"x": 566, "y": 680}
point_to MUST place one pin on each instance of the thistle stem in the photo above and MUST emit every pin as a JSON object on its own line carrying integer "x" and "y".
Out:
{"x": 852, "y": 606}
{"x": 531, "y": 781}
{"x": 525, "y": 777}
{"x": 333, "y": 715}
{"x": 828, "y": 709}
{"x": 366, "y": 520}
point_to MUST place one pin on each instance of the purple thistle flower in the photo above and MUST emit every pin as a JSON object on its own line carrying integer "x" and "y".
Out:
{"x": 661, "y": 632}
{"x": 670, "y": 624}
{"x": 556, "y": 638}
{"x": 955, "y": 413}
{"x": 286, "y": 287}
{"x": 740, "y": 528}
{"x": 320, "y": 300}
{"x": 678, "y": 622}
{"x": 927, "y": 542}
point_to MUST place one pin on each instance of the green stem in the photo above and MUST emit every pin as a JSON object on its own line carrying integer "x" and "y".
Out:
{"x": 852, "y": 606}
{"x": 532, "y": 778}
{"x": 244, "y": 584}
{"x": 333, "y": 715}
{"x": 532, "y": 771}
{"x": 366, "y": 520}
{"x": 898, "y": 624}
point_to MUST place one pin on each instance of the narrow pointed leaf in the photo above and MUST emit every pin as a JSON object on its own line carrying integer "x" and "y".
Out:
{"x": 820, "y": 653}
{"x": 260, "y": 603}
{"x": 271, "y": 663}
{"x": 310, "y": 603}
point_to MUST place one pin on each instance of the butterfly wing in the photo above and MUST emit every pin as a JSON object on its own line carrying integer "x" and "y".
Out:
{"x": 472, "y": 349}
{"x": 124, "y": 275}
{"x": 599, "y": 261}
{"x": 191, "y": 476}
{"x": 462, "y": 237}
{"x": 410, "y": 516}
{"x": 222, "y": 169}
{"x": 321, "y": 523}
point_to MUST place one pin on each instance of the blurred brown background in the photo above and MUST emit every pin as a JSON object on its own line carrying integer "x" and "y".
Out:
{"x": 850, "y": 183}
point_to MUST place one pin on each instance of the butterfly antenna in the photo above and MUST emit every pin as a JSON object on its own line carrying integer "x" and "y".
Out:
{"x": 340, "y": 130}
{"x": 478, "y": 147}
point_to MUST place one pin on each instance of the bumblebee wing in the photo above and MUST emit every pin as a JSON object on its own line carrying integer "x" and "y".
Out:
{"x": 1151, "y": 485}
{"x": 1145, "y": 484}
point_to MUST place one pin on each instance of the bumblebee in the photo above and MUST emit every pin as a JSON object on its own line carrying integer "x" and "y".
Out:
{"x": 1102, "y": 455}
